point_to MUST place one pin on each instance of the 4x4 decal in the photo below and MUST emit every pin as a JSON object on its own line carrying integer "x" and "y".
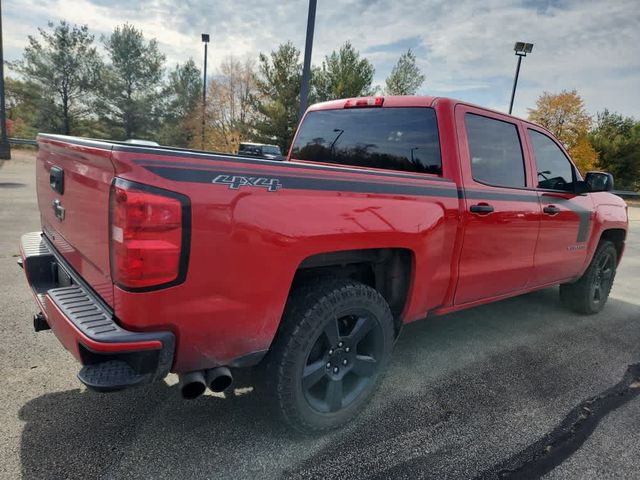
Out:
{"x": 236, "y": 181}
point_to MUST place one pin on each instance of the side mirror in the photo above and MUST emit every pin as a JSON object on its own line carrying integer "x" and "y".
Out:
{"x": 599, "y": 181}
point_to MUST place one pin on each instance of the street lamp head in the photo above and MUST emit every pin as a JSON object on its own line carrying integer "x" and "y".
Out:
{"x": 205, "y": 37}
{"x": 522, "y": 48}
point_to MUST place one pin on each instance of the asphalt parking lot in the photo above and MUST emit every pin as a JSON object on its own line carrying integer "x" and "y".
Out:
{"x": 510, "y": 390}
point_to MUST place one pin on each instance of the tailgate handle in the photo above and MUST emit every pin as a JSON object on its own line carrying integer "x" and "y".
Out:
{"x": 56, "y": 179}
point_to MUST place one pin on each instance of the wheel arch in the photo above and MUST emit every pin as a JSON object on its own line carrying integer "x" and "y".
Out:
{"x": 616, "y": 236}
{"x": 388, "y": 270}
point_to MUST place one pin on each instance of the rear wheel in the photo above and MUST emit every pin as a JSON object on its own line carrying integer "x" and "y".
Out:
{"x": 590, "y": 293}
{"x": 335, "y": 342}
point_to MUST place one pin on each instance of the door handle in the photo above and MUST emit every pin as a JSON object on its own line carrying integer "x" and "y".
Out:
{"x": 551, "y": 210}
{"x": 481, "y": 208}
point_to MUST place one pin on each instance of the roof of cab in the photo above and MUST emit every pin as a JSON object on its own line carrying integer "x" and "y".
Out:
{"x": 413, "y": 101}
{"x": 389, "y": 101}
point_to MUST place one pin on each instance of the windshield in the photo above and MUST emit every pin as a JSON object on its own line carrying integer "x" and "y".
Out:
{"x": 392, "y": 138}
{"x": 271, "y": 150}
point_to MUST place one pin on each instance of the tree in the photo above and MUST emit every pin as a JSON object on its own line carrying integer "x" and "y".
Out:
{"x": 131, "y": 97}
{"x": 343, "y": 74}
{"x": 583, "y": 154}
{"x": 617, "y": 141}
{"x": 22, "y": 101}
{"x": 277, "y": 95}
{"x": 182, "y": 99}
{"x": 65, "y": 67}
{"x": 405, "y": 78}
{"x": 230, "y": 111}
{"x": 563, "y": 114}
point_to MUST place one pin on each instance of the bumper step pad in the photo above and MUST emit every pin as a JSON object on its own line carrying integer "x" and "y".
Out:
{"x": 114, "y": 358}
{"x": 110, "y": 376}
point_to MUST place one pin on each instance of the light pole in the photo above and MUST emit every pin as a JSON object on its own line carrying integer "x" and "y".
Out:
{"x": 5, "y": 149}
{"x": 205, "y": 40}
{"x": 306, "y": 69}
{"x": 335, "y": 140}
{"x": 413, "y": 160}
{"x": 521, "y": 49}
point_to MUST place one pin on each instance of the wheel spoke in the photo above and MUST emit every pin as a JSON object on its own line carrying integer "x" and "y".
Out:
{"x": 331, "y": 332}
{"x": 607, "y": 274}
{"x": 333, "y": 396}
{"x": 313, "y": 373}
{"x": 596, "y": 291}
{"x": 364, "y": 366}
{"x": 360, "y": 329}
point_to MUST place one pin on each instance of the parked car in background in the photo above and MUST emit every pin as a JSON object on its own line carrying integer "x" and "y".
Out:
{"x": 271, "y": 152}
{"x": 138, "y": 141}
{"x": 389, "y": 210}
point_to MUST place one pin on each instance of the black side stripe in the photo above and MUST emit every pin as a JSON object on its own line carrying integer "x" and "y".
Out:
{"x": 302, "y": 183}
{"x": 312, "y": 174}
{"x": 583, "y": 213}
{"x": 286, "y": 165}
{"x": 359, "y": 186}
{"x": 489, "y": 195}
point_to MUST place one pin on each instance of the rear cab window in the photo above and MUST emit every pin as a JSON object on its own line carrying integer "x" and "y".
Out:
{"x": 392, "y": 138}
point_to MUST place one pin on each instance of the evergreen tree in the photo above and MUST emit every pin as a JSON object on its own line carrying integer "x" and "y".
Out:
{"x": 343, "y": 74}
{"x": 182, "y": 98}
{"x": 131, "y": 97}
{"x": 65, "y": 68}
{"x": 405, "y": 78}
{"x": 278, "y": 95}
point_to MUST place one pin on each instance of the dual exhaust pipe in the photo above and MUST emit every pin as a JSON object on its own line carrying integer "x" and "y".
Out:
{"x": 193, "y": 384}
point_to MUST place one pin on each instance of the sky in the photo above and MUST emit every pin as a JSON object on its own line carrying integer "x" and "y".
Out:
{"x": 464, "y": 47}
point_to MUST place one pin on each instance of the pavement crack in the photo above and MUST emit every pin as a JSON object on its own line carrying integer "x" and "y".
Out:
{"x": 555, "y": 447}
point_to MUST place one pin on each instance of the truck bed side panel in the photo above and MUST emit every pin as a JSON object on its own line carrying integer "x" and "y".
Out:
{"x": 249, "y": 237}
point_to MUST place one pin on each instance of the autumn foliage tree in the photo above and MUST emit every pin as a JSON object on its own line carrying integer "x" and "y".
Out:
{"x": 564, "y": 115}
{"x": 230, "y": 111}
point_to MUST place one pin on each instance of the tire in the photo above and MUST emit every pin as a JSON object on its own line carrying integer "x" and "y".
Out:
{"x": 590, "y": 293}
{"x": 334, "y": 344}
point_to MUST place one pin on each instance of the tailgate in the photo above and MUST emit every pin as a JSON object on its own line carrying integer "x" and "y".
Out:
{"x": 73, "y": 182}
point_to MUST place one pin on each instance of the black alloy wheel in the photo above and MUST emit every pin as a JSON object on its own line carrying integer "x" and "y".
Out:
{"x": 333, "y": 345}
{"x": 343, "y": 361}
{"x": 603, "y": 278}
{"x": 590, "y": 292}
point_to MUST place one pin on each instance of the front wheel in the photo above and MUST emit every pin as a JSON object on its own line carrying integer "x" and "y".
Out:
{"x": 333, "y": 346}
{"x": 590, "y": 293}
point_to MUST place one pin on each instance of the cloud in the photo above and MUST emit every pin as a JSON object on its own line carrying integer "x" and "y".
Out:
{"x": 464, "y": 47}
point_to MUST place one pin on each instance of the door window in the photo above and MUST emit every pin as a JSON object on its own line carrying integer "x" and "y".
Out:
{"x": 495, "y": 151}
{"x": 555, "y": 172}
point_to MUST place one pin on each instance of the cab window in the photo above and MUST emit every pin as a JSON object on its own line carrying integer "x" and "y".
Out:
{"x": 495, "y": 151}
{"x": 554, "y": 170}
{"x": 404, "y": 139}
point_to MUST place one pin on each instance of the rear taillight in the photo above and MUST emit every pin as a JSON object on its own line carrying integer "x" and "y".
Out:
{"x": 148, "y": 235}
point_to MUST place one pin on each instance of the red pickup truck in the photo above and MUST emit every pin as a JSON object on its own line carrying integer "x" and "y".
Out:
{"x": 387, "y": 210}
